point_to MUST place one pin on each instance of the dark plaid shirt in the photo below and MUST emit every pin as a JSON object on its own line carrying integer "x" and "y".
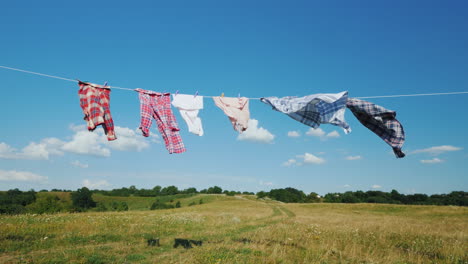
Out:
{"x": 381, "y": 121}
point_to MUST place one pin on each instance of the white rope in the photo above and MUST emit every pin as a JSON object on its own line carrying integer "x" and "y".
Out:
{"x": 46, "y": 75}
{"x": 406, "y": 95}
{"x": 130, "y": 89}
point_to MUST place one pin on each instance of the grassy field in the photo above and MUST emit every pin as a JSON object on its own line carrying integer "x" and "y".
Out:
{"x": 241, "y": 229}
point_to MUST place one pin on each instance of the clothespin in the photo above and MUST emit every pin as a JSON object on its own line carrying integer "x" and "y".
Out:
{"x": 238, "y": 96}
{"x": 195, "y": 94}
{"x": 105, "y": 84}
{"x": 222, "y": 94}
{"x": 177, "y": 92}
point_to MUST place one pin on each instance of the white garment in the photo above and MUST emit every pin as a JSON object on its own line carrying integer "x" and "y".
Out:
{"x": 189, "y": 106}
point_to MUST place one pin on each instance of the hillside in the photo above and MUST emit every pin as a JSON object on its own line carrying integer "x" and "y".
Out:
{"x": 240, "y": 229}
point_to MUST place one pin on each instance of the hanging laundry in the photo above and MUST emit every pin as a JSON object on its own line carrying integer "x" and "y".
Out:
{"x": 237, "y": 109}
{"x": 95, "y": 102}
{"x": 189, "y": 107}
{"x": 158, "y": 106}
{"x": 313, "y": 110}
{"x": 381, "y": 121}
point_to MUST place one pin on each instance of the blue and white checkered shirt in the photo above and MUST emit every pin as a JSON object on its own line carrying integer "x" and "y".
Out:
{"x": 313, "y": 110}
{"x": 381, "y": 121}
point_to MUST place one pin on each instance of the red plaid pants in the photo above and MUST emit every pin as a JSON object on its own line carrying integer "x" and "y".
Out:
{"x": 158, "y": 106}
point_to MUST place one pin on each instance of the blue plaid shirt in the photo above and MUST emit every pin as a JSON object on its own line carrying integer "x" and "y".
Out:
{"x": 381, "y": 121}
{"x": 313, "y": 110}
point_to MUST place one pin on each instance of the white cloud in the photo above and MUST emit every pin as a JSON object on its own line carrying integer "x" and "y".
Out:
{"x": 333, "y": 134}
{"x": 353, "y": 158}
{"x": 437, "y": 150}
{"x": 78, "y": 164}
{"x": 95, "y": 185}
{"x": 289, "y": 162}
{"x": 311, "y": 159}
{"x": 346, "y": 186}
{"x": 315, "y": 132}
{"x": 266, "y": 183}
{"x": 294, "y": 134}
{"x": 318, "y": 132}
{"x": 87, "y": 143}
{"x": 128, "y": 140}
{"x": 82, "y": 142}
{"x": 256, "y": 134}
{"x": 432, "y": 161}
{"x": 376, "y": 186}
{"x": 14, "y": 175}
{"x": 33, "y": 151}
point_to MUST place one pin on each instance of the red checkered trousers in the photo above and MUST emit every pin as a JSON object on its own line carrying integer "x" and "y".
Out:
{"x": 95, "y": 102}
{"x": 158, "y": 106}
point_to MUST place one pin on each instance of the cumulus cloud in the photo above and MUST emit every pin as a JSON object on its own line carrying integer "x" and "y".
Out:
{"x": 318, "y": 132}
{"x": 86, "y": 143}
{"x": 266, "y": 183}
{"x": 33, "y": 151}
{"x": 333, "y": 134}
{"x": 315, "y": 132}
{"x": 256, "y": 134}
{"x": 82, "y": 142}
{"x": 128, "y": 140}
{"x": 78, "y": 164}
{"x": 289, "y": 162}
{"x": 376, "y": 186}
{"x": 294, "y": 134}
{"x": 353, "y": 158}
{"x": 311, "y": 159}
{"x": 96, "y": 184}
{"x": 346, "y": 186}
{"x": 14, "y": 175}
{"x": 437, "y": 150}
{"x": 432, "y": 161}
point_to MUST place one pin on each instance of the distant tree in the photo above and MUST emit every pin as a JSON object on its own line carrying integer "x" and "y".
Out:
{"x": 177, "y": 205}
{"x": 287, "y": 195}
{"x": 312, "y": 198}
{"x": 190, "y": 190}
{"x": 157, "y": 190}
{"x": 215, "y": 190}
{"x": 82, "y": 199}
{"x": 201, "y": 201}
{"x": 170, "y": 190}
{"x": 261, "y": 194}
{"x": 204, "y": 191}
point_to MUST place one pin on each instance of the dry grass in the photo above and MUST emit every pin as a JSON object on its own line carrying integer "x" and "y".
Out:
{"x": 243, "y": 230}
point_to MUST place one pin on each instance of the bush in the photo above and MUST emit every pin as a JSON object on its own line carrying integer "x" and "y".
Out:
{"x": 177, "y": 205}
{"x": 160, "y": 206}
{"x": 47, "y": 204}
{"x": 119, "y": 206}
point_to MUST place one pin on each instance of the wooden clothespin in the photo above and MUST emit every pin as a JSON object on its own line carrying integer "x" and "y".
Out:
{"x": 222, "y": 94}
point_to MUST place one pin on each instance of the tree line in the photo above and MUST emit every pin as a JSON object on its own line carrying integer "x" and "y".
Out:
{"x": 17, "y": 202}
{"x": 291, "y": 195}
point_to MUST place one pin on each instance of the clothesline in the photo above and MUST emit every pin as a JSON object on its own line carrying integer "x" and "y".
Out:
{"x": 130, "y": 89}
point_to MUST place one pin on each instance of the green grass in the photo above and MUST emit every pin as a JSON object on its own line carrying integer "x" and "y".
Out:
{"x": 240, "y": 229}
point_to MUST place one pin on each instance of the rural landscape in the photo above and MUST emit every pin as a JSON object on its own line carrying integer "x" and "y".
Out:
{"x": 232, "y": 228}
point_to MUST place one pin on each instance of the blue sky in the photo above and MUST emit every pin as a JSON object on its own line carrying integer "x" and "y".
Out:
{"x": 257, "y": 49}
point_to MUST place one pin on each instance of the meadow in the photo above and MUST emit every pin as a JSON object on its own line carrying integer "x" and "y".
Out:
{"x": 240, "y": 229}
